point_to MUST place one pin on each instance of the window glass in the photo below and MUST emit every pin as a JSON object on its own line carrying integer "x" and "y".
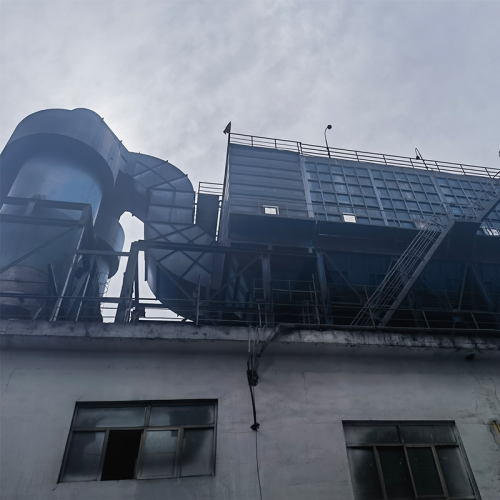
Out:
{"x": 416, "y": 434}
{"x": 197, "y": 452}
{"x": 182, "y": 415}
{"x": 364, "y": 474}
{"x": 110, "y": 417}
{"x": 158, "y": 454}
{"x": 84, "y": 456}
{"x": 395, "y": 470}
{"x": 326, "y": 186}
{"x": 322, "y": 167}
{"x": 424, "y": 470}
{"x": 371, "y": 202}
{"x": 454, "y": 472}
{"x": 363, "y": 434}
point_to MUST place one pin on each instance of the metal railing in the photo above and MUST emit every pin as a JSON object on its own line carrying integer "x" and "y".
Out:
{"x": 214, "y": 188}
{"x": 362, "y": 156}
{"x": 305, "y": 313}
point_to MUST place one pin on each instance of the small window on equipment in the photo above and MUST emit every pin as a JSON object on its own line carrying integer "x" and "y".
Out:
{"x": 349, "y": 218}
{"x": 271, "y": 210}
{"x": 491, "y": 231}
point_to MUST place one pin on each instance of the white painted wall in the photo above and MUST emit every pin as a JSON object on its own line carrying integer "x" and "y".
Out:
{"x": 302, "y": 398}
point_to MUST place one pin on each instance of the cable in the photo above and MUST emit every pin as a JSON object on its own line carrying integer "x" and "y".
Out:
{"x": 257, "y": 461}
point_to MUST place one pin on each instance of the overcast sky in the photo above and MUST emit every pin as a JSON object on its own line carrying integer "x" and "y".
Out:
{"x": 167, "y": 76}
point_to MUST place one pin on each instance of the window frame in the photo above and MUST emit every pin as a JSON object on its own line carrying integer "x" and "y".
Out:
{"x": 144, "y": 429}
{"x": 399, "y": 423}
{"x": 273, "y": 207}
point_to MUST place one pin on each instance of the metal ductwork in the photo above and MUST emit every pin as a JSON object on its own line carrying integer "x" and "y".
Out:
{"x": 66, "y": 179}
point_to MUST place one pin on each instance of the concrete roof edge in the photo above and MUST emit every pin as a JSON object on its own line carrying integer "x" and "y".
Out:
{"x": 32, "y": 334}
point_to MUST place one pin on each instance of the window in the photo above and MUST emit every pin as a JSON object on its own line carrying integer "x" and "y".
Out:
{"x": 271, "y": 210}
{"x": 140, "y": 441}
{"x": 407, "y": 460}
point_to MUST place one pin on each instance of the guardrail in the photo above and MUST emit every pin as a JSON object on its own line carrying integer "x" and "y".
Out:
{"x": 362, "y": 156}
{"x": 214, "y": 188}
{"x": 305, "y": 314}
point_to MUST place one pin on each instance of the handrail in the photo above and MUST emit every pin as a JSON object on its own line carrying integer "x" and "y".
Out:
{"x": 362, "y": 156}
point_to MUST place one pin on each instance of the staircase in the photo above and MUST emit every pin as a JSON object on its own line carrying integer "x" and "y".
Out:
{"x": 387, "y": 298}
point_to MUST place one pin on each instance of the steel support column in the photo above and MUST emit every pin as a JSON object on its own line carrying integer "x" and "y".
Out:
{"x": 267, "y": 289}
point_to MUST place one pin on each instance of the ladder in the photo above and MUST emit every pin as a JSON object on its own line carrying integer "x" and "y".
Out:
{"x": 389, "y": 295}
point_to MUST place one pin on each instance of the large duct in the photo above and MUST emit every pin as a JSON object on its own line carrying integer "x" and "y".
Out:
{"x": 72, "y": 157}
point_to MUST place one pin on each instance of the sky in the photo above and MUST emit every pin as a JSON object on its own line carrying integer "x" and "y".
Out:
{"x": 167, "y": 76}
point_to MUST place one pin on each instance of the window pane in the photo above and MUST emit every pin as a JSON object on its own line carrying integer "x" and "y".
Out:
{"x": 362, "y": 434}
{"x": 158, "y": 455}
{"x": 396, "y": 476}
{"x": 111, "y": 417}
{"x": 182, "y": 415}
{"x": 424, "y": 471}
{"x": 84, "y": 456}
{"x": 454, "y": 472}
{"x": 427, "y": 434}
{"x": 197, "y": 452}
{"x": 122, "y": 450}
{"x": 364, "y": 474}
